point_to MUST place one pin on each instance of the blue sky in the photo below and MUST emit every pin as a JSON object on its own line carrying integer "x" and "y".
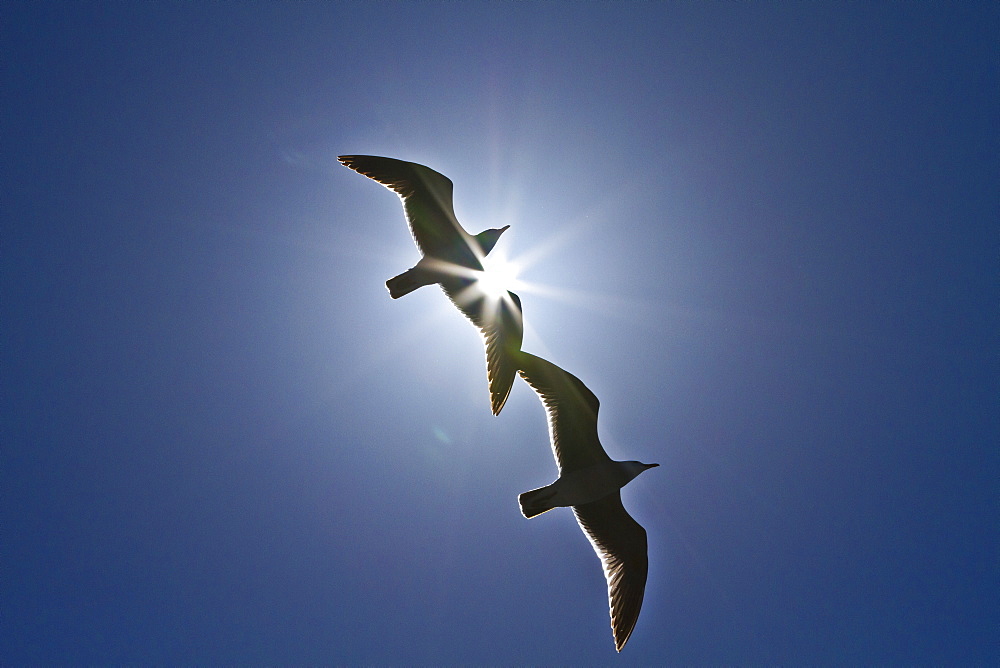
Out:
{"x": 765, "y": 235}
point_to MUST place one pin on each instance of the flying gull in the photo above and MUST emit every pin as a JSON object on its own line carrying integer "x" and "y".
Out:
{"x": 452, "y": 258}
{"x": 589, "y": 481}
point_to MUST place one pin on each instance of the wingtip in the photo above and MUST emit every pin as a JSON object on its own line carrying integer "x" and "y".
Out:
{"x": 620, "y": 642}
{"x": 497, "y": 400}
{"x": 500, "y": 385}
{"x": 349, "y": 161}
{"x": 498, "y": 403}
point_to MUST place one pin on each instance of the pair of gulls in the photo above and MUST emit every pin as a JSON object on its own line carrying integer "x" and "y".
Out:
{"x": 589, "y": 481}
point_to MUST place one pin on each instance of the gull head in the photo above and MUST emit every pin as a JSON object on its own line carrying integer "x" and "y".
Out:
{"x": 633, "y": 468}
{"x": 488, "y": 238}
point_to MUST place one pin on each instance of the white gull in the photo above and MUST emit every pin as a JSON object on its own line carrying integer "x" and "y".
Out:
{"x": 451, "y": 258}
{"x": 589, "y": 482}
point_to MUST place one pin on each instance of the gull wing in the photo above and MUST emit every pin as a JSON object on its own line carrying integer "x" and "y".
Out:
{"x": 427, "y": 203}
{"x": 571, "y": 409}
{"x": 501, "y": 325}
{"x": 620, "y": 542}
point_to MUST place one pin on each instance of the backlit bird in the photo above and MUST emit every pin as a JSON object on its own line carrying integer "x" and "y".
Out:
{"x": 589, "y": 481}
{"x": 451, "y": 258}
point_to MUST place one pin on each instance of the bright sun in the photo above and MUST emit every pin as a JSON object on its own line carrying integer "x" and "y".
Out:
{"x": 499, "y": 275}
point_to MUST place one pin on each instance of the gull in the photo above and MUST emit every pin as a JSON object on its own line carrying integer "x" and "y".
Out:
{"x": 452, "y": 258}
{"x": 589, "y": 482}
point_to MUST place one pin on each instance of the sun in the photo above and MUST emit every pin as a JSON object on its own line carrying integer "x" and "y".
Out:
{"x": 499, "y": 275}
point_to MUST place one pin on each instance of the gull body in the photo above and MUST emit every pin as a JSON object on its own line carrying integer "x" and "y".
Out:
{"x": 452, "y": 258}
{"x": 581, "y": 486}
{"x": 589, "y": 482}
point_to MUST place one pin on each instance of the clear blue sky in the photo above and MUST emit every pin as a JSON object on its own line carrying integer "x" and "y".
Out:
{"x": 768, "y": 236}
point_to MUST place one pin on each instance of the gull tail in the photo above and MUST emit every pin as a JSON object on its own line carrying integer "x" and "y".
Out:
{"x": 537, "y": 501}
{"x": 405, "y": 283}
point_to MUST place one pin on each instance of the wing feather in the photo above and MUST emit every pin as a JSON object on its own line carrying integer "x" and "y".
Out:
{"x": 620, "y": 543}
{"x": 427, "y": 203}
{"x": 571, "y": 409}
{"x": 501, "y": 325}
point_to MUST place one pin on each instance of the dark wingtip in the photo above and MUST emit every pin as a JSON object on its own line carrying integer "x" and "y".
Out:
{"x": 351, "y": 161}
{"x": 498, "y": 400}
{"x": 620, "y": 642}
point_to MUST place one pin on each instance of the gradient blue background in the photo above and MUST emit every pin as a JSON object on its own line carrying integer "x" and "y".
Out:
{"x": 769, "y": 236}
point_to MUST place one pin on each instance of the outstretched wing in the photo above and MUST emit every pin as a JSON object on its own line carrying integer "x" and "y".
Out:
{"x": 501, "y": 325}
{"x": 620, "y": 542}
{"x": 571, "y": 409}
{"x": 427, "y": 202}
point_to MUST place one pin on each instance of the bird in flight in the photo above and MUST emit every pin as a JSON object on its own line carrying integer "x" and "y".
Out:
{"x": 452, "y": 258}
{"x": 589, "y": 482}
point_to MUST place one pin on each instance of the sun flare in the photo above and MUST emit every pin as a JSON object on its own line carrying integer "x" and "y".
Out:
{"x": 498, "y": 276}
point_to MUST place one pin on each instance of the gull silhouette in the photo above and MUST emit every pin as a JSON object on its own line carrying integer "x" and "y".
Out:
{"x": 589, "y": 482}
{"x": 452, "y": 258}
